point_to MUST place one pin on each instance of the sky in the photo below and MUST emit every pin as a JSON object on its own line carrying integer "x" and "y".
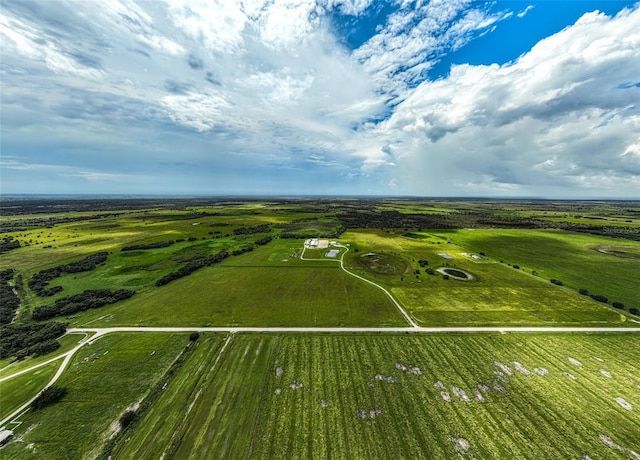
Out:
{"x": 326, "y": 97}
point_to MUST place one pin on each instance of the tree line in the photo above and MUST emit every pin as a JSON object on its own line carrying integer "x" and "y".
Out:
{"x": 264, "y": 228}
{"x": 91, "y": 298}
{"x": 195, "y": 263}
{"x": 40, "y": 281}
{"x": 9, "y": 301}
{"x": 27, "y": 339}
{"x": 161, "y": 244}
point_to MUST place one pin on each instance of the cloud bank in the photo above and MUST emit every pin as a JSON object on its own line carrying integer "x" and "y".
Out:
{"x": 324, "y": 97}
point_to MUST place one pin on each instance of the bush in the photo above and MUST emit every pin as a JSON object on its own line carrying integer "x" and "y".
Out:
{"x": 634, "y": 311}
{"x": 126, "y": 419}
{"x": 194, "y": 336}
{"x": 23, "y": 340}
{"x": 599, "y": 298}
{"x": 619, "y": 305}
{"x": 48, "y": 396}
{"x": 430, "y": 271}
{"x": 584, "y": 291}
{"x": 556, "y": 282}
{"x": 517, "y": 267}
{"x": 445, "y": 277}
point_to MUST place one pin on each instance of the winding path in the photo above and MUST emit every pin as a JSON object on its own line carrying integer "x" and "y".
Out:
{"x": 400, "y": 308}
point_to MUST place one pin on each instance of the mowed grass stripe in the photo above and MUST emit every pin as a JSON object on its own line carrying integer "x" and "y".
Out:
{"x": 225, "y": 412}
{"x": 157, "y": 426}
{"x": 18, "y": 390}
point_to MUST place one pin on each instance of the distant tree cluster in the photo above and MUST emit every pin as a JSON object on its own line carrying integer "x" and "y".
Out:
{"x": 395, "y": 219}
{"x": 49, "y": 396}
{"x": 264, "y": 228}
{"x": 160, "y": 244}
{"x": 8, "y": 243}
{"x": 263, "y": 241}
{"x": 556, "y": 282}
{"x": 196, "y": 263}
{"x": 9, "y": 301}
{"x": 423, "y": 263}
{"x": 241, "y": 251}
{"x": 39, "y": 282}
{"x": 22, "y": 341}
{"x": 634, "y": 311}
{"x": 91, "y": 298}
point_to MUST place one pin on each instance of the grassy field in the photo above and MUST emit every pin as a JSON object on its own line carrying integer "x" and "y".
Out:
{"x": 216, "y": 390}
{"x": 446, "y": 396}
{"x": 103, "y": 379}
{"x": 602, "y": 265}
{"x": 236, "y": 292}
{"x": 497, "y": 294}
{"x": 17, "y": 391}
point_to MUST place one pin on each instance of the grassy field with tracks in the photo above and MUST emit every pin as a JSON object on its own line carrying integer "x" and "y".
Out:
{"x": 476, "y": 396}
{"x": 497, "y": 293}
{"x": 103, "y": 379}
{"x": 17, "y": 391}
{"x": 601, "y": 265}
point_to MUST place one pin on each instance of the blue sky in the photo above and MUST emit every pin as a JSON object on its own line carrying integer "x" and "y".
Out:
{"x": 325, "y": 97}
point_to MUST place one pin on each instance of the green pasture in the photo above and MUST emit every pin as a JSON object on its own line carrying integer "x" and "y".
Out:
{"x": 293, "y": 293}
{"x": 573, "y": 258}
{"x": 497, "y": 294}
{"x": 103, "y": 379}
{"x": 18, "y": 390}
{"x": 213, "y": 402}
{"x": 363, "y": 396}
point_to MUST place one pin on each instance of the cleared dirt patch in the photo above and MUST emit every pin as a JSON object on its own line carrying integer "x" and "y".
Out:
{"x": 624, "y": 403}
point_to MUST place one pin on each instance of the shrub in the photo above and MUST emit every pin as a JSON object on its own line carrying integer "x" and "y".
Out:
{"x": 430, "y": 271}
{"x": 126, "y": 419}
{"x": 194, "y": 336}
{"x": 48, "y": 396}
{"x": 619, "y": 305}
{"x": 517, "y": 267}
{"x": 584, "y": 291}
{"x": 599, "y": 298}
{"x": 445, "y": 277}
{"x": 634, "y": 311}
{"x": 556, "y": 282}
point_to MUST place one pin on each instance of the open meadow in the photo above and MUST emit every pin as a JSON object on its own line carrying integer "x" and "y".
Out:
{"x": 496, "y": 293}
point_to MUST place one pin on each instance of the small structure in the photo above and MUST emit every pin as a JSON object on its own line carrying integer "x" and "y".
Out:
{"x": 5, "y": 435}
{"x": 445, "y": 255}
{"x": 313, "y": 243}
{"x": 333, "y": 253}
